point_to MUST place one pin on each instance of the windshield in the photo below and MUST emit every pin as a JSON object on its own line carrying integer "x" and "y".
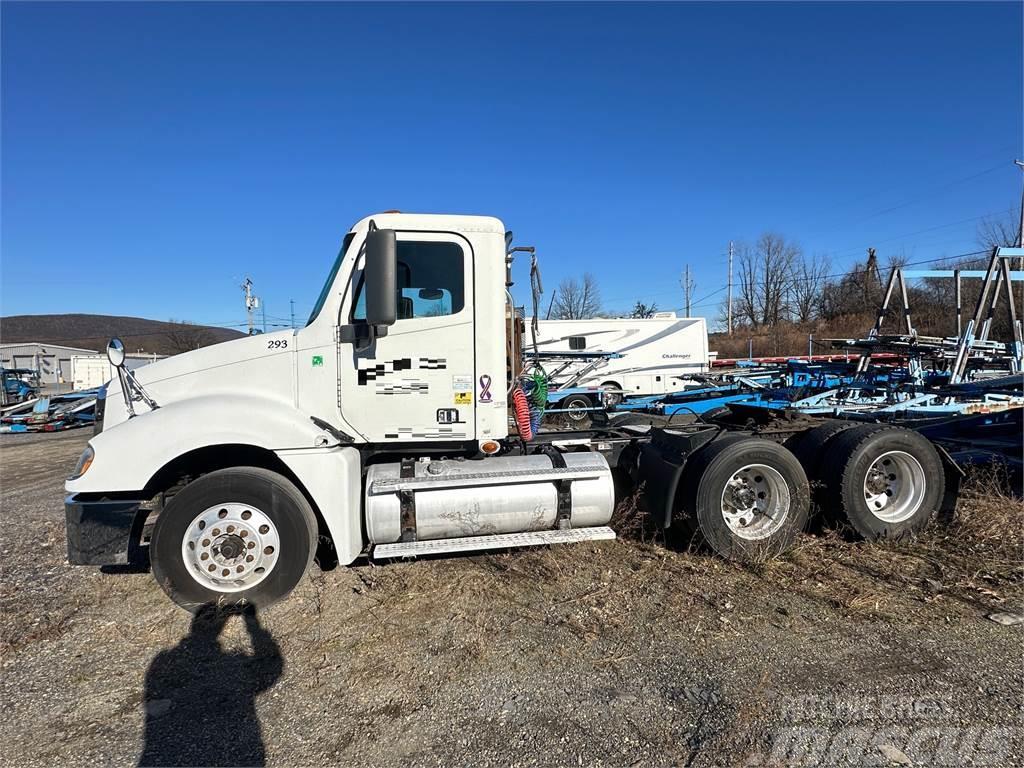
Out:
{"x": 326, "y": 290}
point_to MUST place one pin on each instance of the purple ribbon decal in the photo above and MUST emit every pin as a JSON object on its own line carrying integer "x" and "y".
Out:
{"x": 485, "y": 389}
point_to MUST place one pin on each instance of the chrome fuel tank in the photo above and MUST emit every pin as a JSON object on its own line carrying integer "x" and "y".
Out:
{"x": 505, "y": 494}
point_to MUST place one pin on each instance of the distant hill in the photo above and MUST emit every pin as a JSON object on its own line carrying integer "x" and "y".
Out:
{"x": 94, "y": 331}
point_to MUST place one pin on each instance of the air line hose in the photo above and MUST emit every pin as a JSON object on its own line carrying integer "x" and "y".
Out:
{"x": 521, "y": 407}
{"x": 538, "y": 398}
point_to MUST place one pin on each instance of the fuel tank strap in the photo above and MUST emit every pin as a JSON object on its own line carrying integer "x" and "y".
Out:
{"x": 563, "y": 513}
{"x": 407, "y": 502}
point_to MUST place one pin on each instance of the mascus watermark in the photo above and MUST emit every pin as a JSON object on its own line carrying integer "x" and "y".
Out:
{"x": 931, "y": 745}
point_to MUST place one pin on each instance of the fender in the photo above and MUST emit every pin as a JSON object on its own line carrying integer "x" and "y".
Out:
{"x": 128, "y": 455}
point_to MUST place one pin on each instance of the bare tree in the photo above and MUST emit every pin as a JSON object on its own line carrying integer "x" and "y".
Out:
{"x": 999, "y": 231}
{"x": 765, "y": 279}
{"x": 577, "y": 299}
{"x": 808, "y": 285}
{"x": 643, "y": 311}
{"x": 183, "y": 336}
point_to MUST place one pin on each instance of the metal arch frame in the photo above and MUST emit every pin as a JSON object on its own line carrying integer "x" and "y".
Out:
{"x": 997, "y": 275}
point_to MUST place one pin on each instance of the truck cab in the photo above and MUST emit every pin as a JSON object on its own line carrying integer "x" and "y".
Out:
{"x": 243, "y": 454}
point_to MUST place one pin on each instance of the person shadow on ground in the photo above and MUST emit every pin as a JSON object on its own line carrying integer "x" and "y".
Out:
{"x": 200, "y": 700}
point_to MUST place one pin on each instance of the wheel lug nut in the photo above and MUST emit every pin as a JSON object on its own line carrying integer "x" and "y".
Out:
{"x": 264, "y": 529}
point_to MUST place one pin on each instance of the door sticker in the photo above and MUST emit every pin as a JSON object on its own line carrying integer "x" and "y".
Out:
{"x": 462, "y": 383}
{"x": 463, "y": 398}
{"x": 448, "y": 416}
{"x": 318, "y": 361}
{"x": 485, "y": 389}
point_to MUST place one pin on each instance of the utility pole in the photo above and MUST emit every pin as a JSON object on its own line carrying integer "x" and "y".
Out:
{"x": 263, "y": 311}
{"x": 688, "y": 286}
{"x": 251, "y": 304}
{"x": 730, "y": 289}
{"x": 291, "y": 303}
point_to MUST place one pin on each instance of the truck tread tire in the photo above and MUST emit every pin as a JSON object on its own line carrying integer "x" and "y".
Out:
{"x": 776, "y": 473}
{"x": 274, "y": 496}
{"x": 863, "y": 464}
{"x": 809, "y": 446}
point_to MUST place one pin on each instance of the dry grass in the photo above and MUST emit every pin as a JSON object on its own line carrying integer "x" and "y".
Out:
{"x": 974, "y": 562}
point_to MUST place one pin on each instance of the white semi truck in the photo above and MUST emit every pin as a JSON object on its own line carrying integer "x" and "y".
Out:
{"x": 394, "y": 424}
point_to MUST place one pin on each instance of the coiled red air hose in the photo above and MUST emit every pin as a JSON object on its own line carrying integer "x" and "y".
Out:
{"x": 522, "y": 413}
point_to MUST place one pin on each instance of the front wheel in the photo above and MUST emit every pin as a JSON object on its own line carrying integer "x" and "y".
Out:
{"x": 236, "y": 536}
{"x": 749, "y": 497}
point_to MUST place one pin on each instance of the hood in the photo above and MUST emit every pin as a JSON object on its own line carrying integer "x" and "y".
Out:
{"x": 253, "y": 365}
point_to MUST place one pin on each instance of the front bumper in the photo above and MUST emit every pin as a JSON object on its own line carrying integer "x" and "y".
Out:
{"x": 103, "y": 532}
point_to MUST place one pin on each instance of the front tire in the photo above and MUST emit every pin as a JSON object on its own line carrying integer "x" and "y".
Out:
{"x": 236, "y": 536}
{"x": 748, "y": 496}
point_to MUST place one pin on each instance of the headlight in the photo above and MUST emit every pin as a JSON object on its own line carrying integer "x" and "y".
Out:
{"x": 84, "y": 462}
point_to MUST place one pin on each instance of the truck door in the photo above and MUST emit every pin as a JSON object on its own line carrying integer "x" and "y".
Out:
{"x": 416, "y": 383}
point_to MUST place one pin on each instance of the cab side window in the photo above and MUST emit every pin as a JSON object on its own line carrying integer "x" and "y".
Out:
{"x": 431, "y": 281}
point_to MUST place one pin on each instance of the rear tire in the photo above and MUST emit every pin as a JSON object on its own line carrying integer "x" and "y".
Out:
{"x": 886, "y": 481}
{"x": 749, "y": 497}
{"x": 809, "y": 448}
{"x": 236, "y": 536}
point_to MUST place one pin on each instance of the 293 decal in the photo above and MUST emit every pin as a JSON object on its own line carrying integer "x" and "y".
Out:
{"x": 277, "y": 344}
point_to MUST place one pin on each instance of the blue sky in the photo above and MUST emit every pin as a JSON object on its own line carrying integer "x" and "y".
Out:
{"x": 155, "y": 154}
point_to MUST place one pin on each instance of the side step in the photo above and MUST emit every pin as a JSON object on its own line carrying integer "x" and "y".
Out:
{"x": 496, "y": 541}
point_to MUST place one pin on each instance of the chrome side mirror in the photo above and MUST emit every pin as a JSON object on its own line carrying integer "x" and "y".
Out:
{"x": 131, "y": 390}
{"x": 115, "y": 352}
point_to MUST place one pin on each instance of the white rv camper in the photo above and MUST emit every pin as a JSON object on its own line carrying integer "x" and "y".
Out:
{"x": 654, "y": 356}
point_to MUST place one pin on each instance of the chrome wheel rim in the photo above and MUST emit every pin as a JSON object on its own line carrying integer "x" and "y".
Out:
{"x": 755, "y": 502}
{"x": 230, "y": 547}
{"x": 894, "y": 486}
{"x": 577, "y": 410}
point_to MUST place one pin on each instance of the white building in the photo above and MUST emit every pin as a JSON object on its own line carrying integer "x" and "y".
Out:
{"x": 90, "y": 371}
{"x": 51, "y": 361}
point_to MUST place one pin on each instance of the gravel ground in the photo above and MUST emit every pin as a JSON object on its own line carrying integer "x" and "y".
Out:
{"x": 622, "y": 653}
